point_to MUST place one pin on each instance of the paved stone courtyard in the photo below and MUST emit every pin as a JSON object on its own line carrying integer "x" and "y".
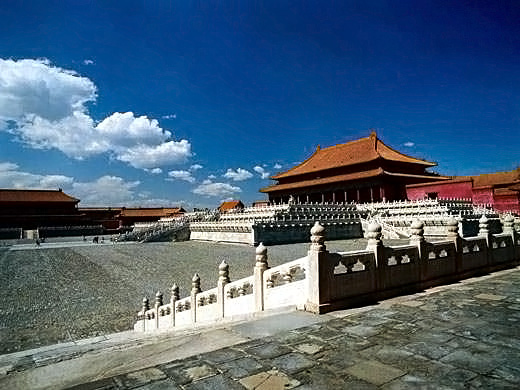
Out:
{"x": 68, "y": 291}
{"x": 461, "y": 336}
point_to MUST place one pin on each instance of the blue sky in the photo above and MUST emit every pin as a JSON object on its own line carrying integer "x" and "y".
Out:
{"x": 152, "y": 103}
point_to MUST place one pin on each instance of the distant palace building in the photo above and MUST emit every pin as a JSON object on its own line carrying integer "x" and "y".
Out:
{"x": 365, "y": 170}
{"x": 500, "y": 190}
{"x": 29, "y": 209}
{"x": 129, "y": 215}
{"x": 53, "y": 212}
{"x": 230, "y": 206}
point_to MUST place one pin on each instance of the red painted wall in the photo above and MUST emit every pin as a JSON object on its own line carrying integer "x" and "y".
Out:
{"x": 483, "y": 195}
{"x": 464, "y": 190}
{"x": 444, "y": 190}
{"x": 507, "y": 203}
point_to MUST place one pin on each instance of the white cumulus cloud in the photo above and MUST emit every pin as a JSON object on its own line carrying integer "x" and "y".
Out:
{"x": 12, "y": 177}
{"x": 261, "y": 171}
{"x": 148, "y": 156}
{"x": 238, "y": 175}
{"x": 182, "y": 175}
{"x": 196, "y": 167}
{"x": 36, "y": 88}
{"x": 409, "y": 144}
{"x": 106, "y": 190}
{"x": 210, "y": 189}
{"x": 154, "y": 171}
{"x": 277, "y": 166}
{"x": 46, "y": 107}
{"x": 88, "y": 62}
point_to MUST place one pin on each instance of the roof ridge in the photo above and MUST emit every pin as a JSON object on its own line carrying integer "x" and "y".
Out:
{"x": 401, "y": 153}
{"x": 358, "y": 151}
{"x": 320, "y": 149}
{"x": 345, "y": 143}
{"x": 30, "y": 189}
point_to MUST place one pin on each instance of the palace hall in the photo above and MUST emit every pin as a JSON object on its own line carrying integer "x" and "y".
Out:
{"x": 364, "y": 170}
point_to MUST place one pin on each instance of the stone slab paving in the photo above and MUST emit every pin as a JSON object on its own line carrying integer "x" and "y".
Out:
{"x": 462, "y": 336}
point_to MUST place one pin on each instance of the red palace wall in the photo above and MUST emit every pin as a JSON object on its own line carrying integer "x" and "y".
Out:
{"x": 464, "y": 190}
{"x": 507, "y": 203}
{"x": 483, "y": 195}
{"x": 443, "y": 190}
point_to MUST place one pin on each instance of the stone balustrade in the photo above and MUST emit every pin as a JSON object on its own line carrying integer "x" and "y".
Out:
{"x": 396, "y": 217}
{"x": 279, "y": 224}
{"x": 352, "y": 278}
{"x": 243, "y": 227}
{"x": 267, "y": 288}
{"x": 324, "y": 281}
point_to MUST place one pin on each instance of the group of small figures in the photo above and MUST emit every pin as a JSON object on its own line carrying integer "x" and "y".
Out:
{"x": 96, "y": 240}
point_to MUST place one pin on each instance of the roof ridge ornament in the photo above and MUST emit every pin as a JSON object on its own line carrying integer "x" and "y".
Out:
{"x": 373, "y": 138}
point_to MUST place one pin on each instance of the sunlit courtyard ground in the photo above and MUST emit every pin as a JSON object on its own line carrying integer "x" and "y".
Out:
{"x": 55, "y": 294}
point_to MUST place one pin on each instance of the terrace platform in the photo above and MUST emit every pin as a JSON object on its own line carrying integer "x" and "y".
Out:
{"x": 459, "y": 336}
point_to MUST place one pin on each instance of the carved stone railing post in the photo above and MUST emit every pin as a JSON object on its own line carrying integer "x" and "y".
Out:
{"x": 417, "y": 239}
{"x": 173, "y": 299}
{"x": 509, "y": 228}
{"x": 195, "y": 289}
{"x": 158, "y": 302}
{"x": 319, "y": 281}
{"x": 483, "y": 225}
{"x": 258, "y": 284}
{"x": 453, "y": 234}
{"x": 483, "y": 229}
{"x": 375, "y": 245}
{"x": 223, "y": 279}
{"x": 146, "y": 307}
{"x": 374, "y": 240}
{"x": 318, "y": 238}
{"x": 508, "y": 224}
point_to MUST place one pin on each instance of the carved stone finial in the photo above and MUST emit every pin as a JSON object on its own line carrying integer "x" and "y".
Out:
{"x": 452, "y": 225}
{"x": 509, "y": 222}
{"x": 261, "y": 256}
{"x": 374, "y": 234}
{"x": 483, "y": 224}
{"x": 318, "y": 237}
{"x": 223, "y": 272}
{"x": 146, "y": 304}
{"x": 417, "y": 228}
{"x": 158, "y": 298}
{"x": 195, "y": 284}
{"x": 175, "y": 292}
